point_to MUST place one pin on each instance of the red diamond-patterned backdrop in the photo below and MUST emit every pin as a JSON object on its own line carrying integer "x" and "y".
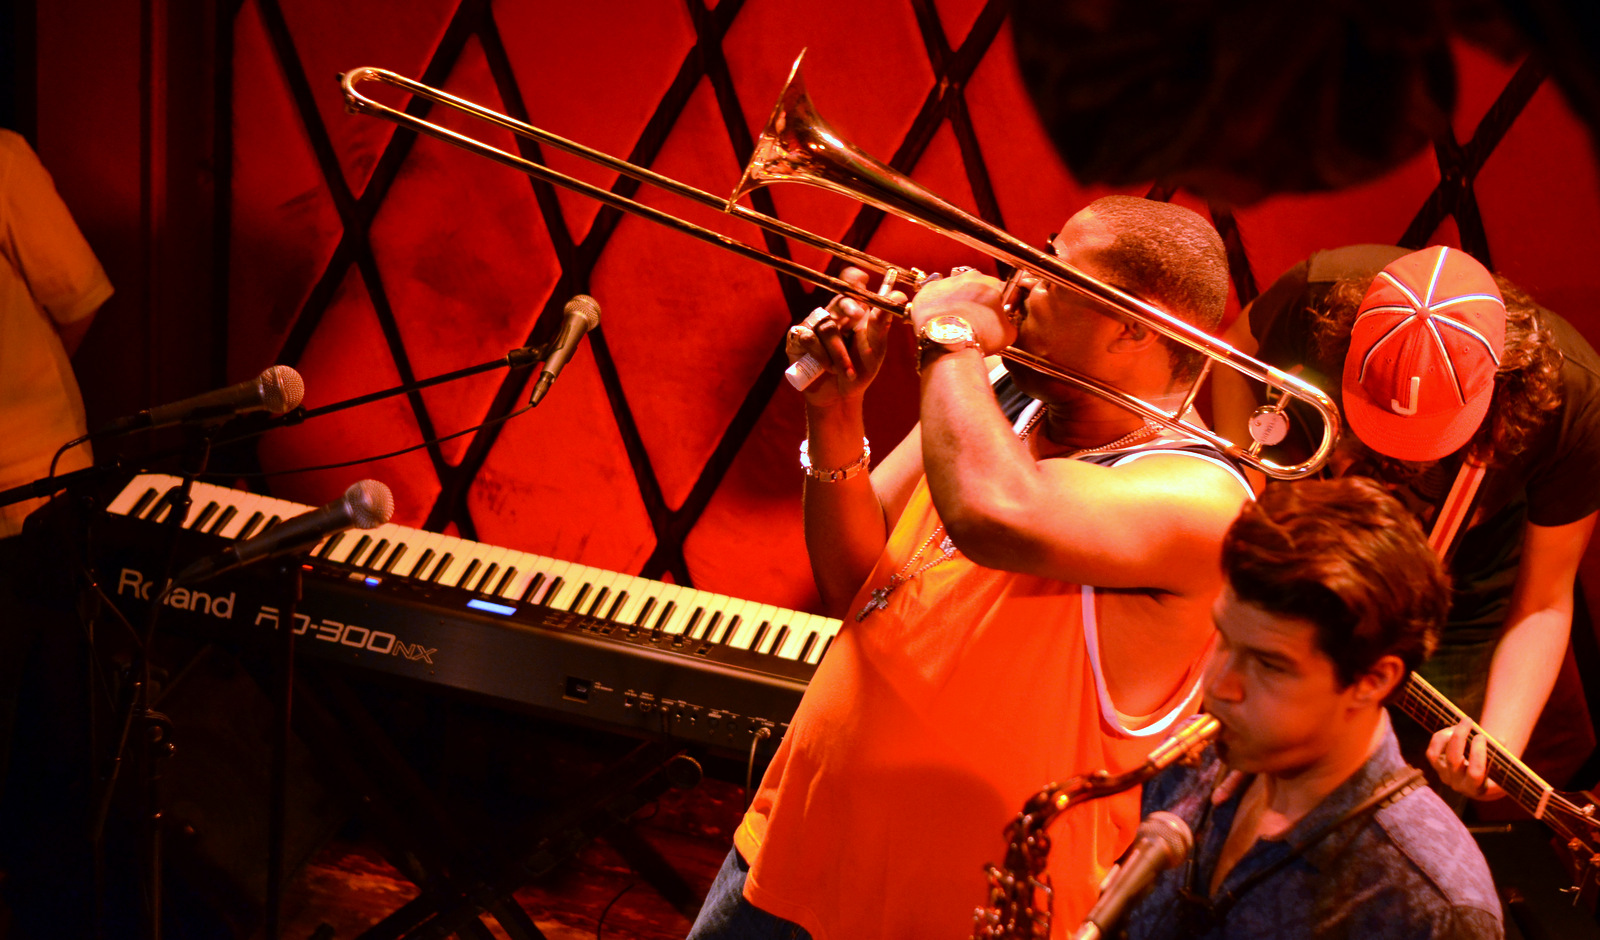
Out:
{"x": 363, "y": 256}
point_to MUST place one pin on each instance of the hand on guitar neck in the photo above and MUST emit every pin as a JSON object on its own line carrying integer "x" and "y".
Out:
{"x": 1465, "y": 764}
{"x": 1460, "y": 756}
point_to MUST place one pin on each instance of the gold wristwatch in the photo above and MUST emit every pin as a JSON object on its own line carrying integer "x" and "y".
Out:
{"x": 946, "y": 331}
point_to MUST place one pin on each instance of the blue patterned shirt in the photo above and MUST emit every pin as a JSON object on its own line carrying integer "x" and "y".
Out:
{"x": 1408, "y": 870}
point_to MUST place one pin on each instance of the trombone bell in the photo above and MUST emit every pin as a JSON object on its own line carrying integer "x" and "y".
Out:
{"x": 798, "y": 146}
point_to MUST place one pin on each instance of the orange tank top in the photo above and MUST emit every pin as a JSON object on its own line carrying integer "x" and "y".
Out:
{"x": 925, "y": 729}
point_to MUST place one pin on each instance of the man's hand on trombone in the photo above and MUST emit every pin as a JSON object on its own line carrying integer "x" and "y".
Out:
{"x": 974, "y": 297}
{"x": 848, "y": 338}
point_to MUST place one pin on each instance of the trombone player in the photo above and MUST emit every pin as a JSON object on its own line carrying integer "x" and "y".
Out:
{"x": 1025, "y": 580}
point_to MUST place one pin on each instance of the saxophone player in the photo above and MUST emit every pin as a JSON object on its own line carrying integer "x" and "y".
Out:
{"x": 1306, "y": 821}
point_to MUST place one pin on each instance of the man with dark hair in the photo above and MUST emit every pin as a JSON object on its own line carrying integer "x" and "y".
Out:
{"x": 1025, "y": 582}
{"x": 1452, "y": 378}
{"x": 1332, "y": 597}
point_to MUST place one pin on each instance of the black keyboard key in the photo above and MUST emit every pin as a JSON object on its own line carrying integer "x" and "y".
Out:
{"x": 806, "y": 649}
{"x": 223, "y": 519}
{"x": 488, "y": 577}
{"x": 374, "y": 556}
{"x": 694, "y": 621}
{"x": 761, "y": 631}
{"x": 661, "y": 621}
{"x": 362, "y": 544}
{"x": 143, "y": 503}
{"x": 472, "y": 569}
{"x": 394, "y": 556}
{"x": 577, "y": 599}
{"x": 505, "y": 581}
{"x": 533, "y": 588}
{"x": 555, "y": 588}
{"x": 205, "y": 515}
{"x": 711, "y": 627}
{"x": 332, "y": 543}
{"x": 777, "y": 641}
{"x": 616, "y": 605}
{"x": 444, "y": 562}
{"x": 599, "y": 598}
{"x": 250, "y": 526}
{"x": 416, "y": 569}
{"x": 733, "y": 624}
{"x": 644, "y": 612}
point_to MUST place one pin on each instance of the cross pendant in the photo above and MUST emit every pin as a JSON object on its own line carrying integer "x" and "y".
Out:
{"x": 878, "y": 601}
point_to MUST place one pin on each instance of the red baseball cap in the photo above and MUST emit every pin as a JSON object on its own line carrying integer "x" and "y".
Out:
{"x": 1423, "y": 353}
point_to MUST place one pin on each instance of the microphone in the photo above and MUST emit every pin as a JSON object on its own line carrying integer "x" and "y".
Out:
{"x": 277, "y": 390}
{"x": 581, "y": 314}
{"x": 1162, "y": 842}
{"x": 365, "y": 504}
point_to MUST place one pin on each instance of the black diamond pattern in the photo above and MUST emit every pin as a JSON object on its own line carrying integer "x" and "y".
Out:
{"x": 945, "y": 101}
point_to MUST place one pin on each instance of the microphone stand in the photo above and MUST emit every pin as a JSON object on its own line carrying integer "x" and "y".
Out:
{"x": 154, "y": 728}
{"x": 520, "y": 358}
{"x": 289, "y": 572}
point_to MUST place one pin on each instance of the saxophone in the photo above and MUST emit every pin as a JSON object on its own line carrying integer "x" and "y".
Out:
{"x": 1020, "y": 897}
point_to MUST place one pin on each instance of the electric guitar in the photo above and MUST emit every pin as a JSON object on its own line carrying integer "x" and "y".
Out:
{"x": 1571, "y": 815}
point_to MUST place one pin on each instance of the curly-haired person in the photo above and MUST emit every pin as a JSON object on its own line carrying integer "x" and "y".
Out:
{"x": 1448, "y": 375}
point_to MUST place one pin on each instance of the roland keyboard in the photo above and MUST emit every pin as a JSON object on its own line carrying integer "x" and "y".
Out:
{"x": 518, "y": 628}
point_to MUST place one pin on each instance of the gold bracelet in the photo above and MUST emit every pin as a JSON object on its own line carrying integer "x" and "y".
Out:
{"x": 834, "y": 476}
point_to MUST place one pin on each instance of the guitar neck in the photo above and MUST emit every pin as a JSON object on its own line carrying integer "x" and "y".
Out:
{"x": 1429, "y": 707}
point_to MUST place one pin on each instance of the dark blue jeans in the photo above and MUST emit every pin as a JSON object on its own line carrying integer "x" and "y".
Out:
{"x": 726, "y": 915}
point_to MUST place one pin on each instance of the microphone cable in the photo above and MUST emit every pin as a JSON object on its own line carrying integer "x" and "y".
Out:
{"x": 263, "y": 474}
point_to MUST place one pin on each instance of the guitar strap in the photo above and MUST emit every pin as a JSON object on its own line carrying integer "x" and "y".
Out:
{"x": 1457, "y": 508}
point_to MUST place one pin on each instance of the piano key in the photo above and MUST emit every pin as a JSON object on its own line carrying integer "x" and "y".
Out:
{"x": 573, "y": 580}
{"x": 487, "y": 575}
{"x": 223, "y": 518}
{"x": 252, "y": 525}
{"x": 136, "y": 497}
{"x": 330, "y": 544}
{"x": 528, "y": 568}
{"x": 786, "y": 643}
{"x": 753, "y": 619}
{"x": 411, "y": 563}
{"x": 707, "y": 607}
{"x": 640, "y": 591}
{"x": 732, "y": 619}
{"x": 602, "y": 589}
{"x": 532, "y": 590}
{"x": 556, "y": 582}
{"x": 441, "y": 565}
{"x": 801, "y": 630}
{"x": 419, "y": 569}
{"x": 643, "y": 619}
{"x": 204, "y": 516}
{"x": 372, "y": 557}
{"x": 354, "y": 541}
{"x": 506, "y": 577}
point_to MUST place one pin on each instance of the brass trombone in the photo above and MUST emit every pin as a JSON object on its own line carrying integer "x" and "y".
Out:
{"x": 798, "y": 146}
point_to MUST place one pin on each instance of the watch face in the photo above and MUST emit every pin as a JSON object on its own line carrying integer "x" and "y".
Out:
{"x": 947, "y": 330}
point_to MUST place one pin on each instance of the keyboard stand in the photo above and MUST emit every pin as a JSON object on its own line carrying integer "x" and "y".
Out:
{"x": 461, "y": 881}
